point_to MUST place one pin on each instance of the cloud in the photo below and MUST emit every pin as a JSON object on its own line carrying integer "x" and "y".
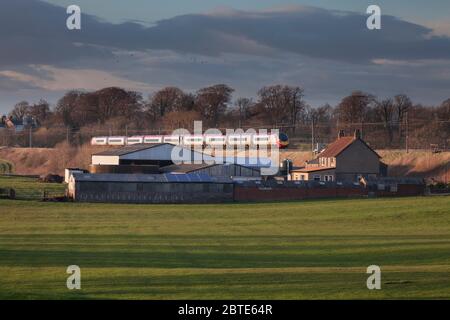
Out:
{"x": 42, "y": 38}
{"x": 329, "y": 53}
{"x": 59, "y": 79}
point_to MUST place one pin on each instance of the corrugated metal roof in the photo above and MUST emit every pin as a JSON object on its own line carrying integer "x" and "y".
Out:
{"x": 128, "y": 149}
{"x": 161, "y": 178}
{"x": 250, "y": 162}
{"x": 185, "y": 168}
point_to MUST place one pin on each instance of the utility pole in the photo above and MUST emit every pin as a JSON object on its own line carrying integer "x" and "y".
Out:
{"x": 407, "y": 134}
{"x": 30, "y": 132}
{"x": 312, "y": 137}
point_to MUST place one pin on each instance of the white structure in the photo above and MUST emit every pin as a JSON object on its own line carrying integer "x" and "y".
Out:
{"x": 145, "y": 154}
{"x": 69, "y": 171}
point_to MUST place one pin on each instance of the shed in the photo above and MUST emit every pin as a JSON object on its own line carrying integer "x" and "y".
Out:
{"x": 150, "y": 188}
{"x": 162, "y": 154}
{"x": 231, "y": 170}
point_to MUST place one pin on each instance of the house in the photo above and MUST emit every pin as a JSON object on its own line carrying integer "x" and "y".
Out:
{"x": 349, "y": 158}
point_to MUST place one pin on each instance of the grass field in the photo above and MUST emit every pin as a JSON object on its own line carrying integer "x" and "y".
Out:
{"x": 30, "y": 188}
{"x": 291, "y": 250}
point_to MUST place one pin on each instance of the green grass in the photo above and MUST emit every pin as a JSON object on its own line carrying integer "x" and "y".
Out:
{"x": 291, "y": 250}
{"x": 30, "y": 188}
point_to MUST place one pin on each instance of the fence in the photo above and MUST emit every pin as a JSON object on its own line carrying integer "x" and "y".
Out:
{"x": 31, "y": 188}
{"x": 418, "y": 134}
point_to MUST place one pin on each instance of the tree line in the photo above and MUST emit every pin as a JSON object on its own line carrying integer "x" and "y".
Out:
{"x": 384, "y": 122}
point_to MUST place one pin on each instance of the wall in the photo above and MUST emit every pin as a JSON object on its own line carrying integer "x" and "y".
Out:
{"x": 310, "y": 175}
{"x": 124, "y": 169}
{"x": 356, "y": 159}
{"x": 243, "y": 193}
{"x": 133, "y": 192}
{"x": 106, "y": 160}
{"x": 223, "y": 170}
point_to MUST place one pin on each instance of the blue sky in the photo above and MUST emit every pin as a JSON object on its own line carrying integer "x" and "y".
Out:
{"x": 145, "y": 45}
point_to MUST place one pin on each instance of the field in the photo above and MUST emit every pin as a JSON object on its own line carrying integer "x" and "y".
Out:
{"x": 291, "y": 250}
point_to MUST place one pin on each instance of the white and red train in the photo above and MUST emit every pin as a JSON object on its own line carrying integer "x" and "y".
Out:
{"x": 246, "y": 140}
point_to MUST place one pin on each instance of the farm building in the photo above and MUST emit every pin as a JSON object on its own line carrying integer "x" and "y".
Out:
{"x": 145, "y": 154}
{"x": 144, "y": 158}
{"x": 231, "y": 170}
{"x": 386, "y": 186}
{"x": 149, "y": 188}
{"x": 349, "y": 158}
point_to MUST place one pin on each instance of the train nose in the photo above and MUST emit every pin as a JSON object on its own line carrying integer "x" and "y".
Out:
{"x": 283, "y": 140}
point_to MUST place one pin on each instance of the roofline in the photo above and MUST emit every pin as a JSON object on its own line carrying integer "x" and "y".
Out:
{"x": 354, "y": 139}
{"x": 225, "y": 163}
{"x": 150, "y": 146}
{"x": 305, "y": 170}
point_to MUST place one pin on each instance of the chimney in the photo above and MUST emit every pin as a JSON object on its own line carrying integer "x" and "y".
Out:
{"x": 341, "y": 134}
{"x": 357, "y": 134}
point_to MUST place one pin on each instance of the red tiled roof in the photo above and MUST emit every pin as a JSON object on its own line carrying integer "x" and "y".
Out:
{"x": 313, "y": 169}
{"x": 335, "y": 148}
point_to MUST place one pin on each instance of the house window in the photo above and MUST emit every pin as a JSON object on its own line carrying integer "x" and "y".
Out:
{"x": 316, "y": 177}
{"x": 302, "y": 177}
{"x": 328, "y": 178}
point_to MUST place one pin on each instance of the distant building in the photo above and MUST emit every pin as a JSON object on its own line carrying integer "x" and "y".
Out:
{"x": 146, "y": 154}
{"x": 149, "y": 188}
{"x": 230, "y": 170}
{"x": 349, "y": 158}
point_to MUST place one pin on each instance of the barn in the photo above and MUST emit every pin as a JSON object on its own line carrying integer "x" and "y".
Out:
{"x": 144, "y": 154}
{"x": 150, "y": 188}
{"x": 231, "y": 170}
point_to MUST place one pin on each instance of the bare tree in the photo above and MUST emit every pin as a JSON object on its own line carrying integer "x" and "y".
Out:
{"x": 243, "y": 106}
{"x": 212, "y": 102}
{"x": 385, "y": 110}
{"x": 402, "y": 104}
{"x": 282, "y": 103}
{"x": 353, "y": 108}
{"x": 20, "y": 110}
{"x": 166, "y": 100}
{"x": 40, "y": 111}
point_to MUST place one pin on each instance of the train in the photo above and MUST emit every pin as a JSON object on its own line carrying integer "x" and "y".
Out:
{"x": 246, "y": 140}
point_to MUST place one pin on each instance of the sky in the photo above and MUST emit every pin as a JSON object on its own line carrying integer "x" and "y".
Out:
{"x": 323, "y": 46}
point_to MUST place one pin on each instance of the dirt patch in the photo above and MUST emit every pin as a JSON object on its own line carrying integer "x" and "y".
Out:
{"x": 43, "y": 161}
